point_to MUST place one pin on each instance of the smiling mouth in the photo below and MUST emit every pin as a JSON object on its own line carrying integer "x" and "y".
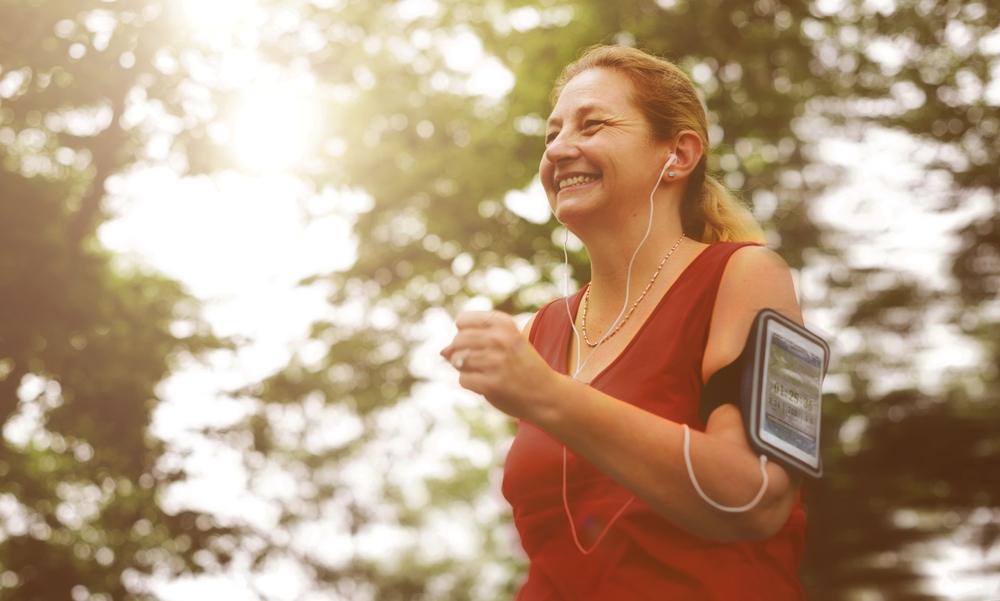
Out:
{"x": 579, "y": 180}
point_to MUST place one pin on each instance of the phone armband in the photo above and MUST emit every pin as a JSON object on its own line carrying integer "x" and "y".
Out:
{"x": 778, "y": 384}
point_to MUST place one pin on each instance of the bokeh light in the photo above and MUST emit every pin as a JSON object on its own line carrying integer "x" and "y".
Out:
{"x": 275, "y": 128}
{"x": 213, "y": 15}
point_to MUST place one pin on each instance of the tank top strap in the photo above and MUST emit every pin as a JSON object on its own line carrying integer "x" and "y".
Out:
{"x": 685, "y": 312}
{"x": 550, "y": 332}
{"x": 691, "y": 303}
{"x": 702, "y": 287}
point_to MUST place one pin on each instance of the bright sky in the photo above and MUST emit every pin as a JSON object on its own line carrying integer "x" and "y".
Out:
{"x": 241, "y": 242}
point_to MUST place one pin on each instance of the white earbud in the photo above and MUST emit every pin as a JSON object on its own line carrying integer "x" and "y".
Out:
{"x": 670, "y": 161}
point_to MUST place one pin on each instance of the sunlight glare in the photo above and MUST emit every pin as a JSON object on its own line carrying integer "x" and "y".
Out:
{"x": 462, "y": 52}
{"x": 214, "y": 15}
{"x": 274, "y": 129}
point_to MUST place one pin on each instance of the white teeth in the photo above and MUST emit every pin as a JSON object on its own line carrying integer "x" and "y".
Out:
{"x": 572, "y": 181}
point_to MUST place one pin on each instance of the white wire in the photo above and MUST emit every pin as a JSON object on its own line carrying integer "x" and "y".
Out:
{"x": 579, "y": 350}
{"x": 748, "y": 506}
{"x": 580, "y": 366}
{"x": 572, "y": 526}
{"x": 628, "y": 281}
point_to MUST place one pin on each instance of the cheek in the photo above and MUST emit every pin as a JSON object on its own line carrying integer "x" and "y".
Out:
{"x": 545, "y": 172}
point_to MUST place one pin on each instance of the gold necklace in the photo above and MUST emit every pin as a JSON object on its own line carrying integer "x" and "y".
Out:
{"x": 586, "y": 301}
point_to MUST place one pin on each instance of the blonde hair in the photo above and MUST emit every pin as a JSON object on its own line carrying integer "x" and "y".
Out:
{"x": 710, "y": 212}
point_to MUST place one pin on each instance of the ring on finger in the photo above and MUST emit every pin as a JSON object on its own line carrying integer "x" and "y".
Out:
{"x": 459, "y": 358}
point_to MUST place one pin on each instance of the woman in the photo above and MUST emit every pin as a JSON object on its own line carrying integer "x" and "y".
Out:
{"x": 605, "y": 384}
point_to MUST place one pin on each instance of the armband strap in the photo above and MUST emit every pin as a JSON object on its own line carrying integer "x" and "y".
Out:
{"x": 723, "y": 387}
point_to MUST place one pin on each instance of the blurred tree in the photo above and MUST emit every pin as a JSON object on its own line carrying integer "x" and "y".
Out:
{"x": 917, "y": 462}
{"x": 83, "y": 341}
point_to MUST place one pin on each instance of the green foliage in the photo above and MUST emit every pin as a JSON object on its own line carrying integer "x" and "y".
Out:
{"x": 83, "y": 343}
{"x": 922, "y": 468}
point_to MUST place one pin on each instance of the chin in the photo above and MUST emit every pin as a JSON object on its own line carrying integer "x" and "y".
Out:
{"x": 574, "y": 217}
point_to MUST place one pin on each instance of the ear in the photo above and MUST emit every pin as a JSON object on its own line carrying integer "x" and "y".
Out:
{"x": 687, "y": 148}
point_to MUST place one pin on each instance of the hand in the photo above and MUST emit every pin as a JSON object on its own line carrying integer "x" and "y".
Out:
{"x": 495, "y": 360}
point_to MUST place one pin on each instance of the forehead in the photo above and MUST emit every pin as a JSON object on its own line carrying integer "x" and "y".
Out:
{"x": 594, "y": 89}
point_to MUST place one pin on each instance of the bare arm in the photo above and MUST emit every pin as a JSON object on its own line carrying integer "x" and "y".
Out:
{"x": 643, "y": 452}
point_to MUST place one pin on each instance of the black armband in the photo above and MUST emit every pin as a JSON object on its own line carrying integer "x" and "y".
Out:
{"x": 723, "y": 387}
{"x": 777, "y": 384}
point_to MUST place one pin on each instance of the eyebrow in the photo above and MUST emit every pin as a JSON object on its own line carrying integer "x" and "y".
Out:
{"x": 584, "y": 108}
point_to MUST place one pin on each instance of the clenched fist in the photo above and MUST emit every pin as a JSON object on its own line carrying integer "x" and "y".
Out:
{"x": 495, "y": 360}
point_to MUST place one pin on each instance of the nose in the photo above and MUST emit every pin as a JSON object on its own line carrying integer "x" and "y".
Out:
{"x": 563, "y": 148}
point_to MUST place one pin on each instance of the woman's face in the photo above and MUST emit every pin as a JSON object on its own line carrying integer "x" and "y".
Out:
{"x": 600, "y": 155}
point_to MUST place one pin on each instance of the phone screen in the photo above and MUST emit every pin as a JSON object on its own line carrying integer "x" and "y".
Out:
{"x": 792, "y": 393}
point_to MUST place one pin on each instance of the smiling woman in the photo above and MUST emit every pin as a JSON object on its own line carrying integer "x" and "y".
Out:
{"x": 605, "y": 385}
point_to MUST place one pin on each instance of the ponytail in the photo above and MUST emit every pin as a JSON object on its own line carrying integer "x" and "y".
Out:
{"x": 710, "y": 212}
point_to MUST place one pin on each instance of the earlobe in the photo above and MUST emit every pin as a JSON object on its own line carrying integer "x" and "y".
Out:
{"x": 670, "y": 161}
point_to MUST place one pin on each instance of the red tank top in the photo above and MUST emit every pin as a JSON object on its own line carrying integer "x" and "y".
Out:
{"x": 644, "y": 556}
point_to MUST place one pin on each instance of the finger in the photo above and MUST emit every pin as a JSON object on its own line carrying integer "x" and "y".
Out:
{"x": 459, "y": 358}
{"x": 464, "y": 338}
{"x": 467, "y": 361}
{"x": 471, "y": 381}
{"x": 474, "y": 339}
{"x": 477, "y": 319}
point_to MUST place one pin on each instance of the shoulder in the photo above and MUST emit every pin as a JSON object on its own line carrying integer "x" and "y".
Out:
{"x": 526, "y": 330}
{"x": 536, "y": 318}
{"x": 755, "y": 278}
{"x": 758, "y": 278}
{"x": 757, "y": 261}
{"x": 543, "y": 318}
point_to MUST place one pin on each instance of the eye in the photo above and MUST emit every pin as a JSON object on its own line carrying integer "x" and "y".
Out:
{"x": 592, "y": 124}
{"x": 550, "y": 137}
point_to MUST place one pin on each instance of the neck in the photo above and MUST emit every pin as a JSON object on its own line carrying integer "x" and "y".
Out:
{"x": 619, "y": 246}
{"x": 611, "y": 253}
{"x": 615, "y": 292}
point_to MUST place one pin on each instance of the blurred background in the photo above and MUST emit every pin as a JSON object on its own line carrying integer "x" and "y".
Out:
{"x": 233, "y": 234}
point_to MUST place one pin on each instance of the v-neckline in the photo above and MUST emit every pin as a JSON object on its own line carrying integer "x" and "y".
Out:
{"x": 575, "y": 308}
